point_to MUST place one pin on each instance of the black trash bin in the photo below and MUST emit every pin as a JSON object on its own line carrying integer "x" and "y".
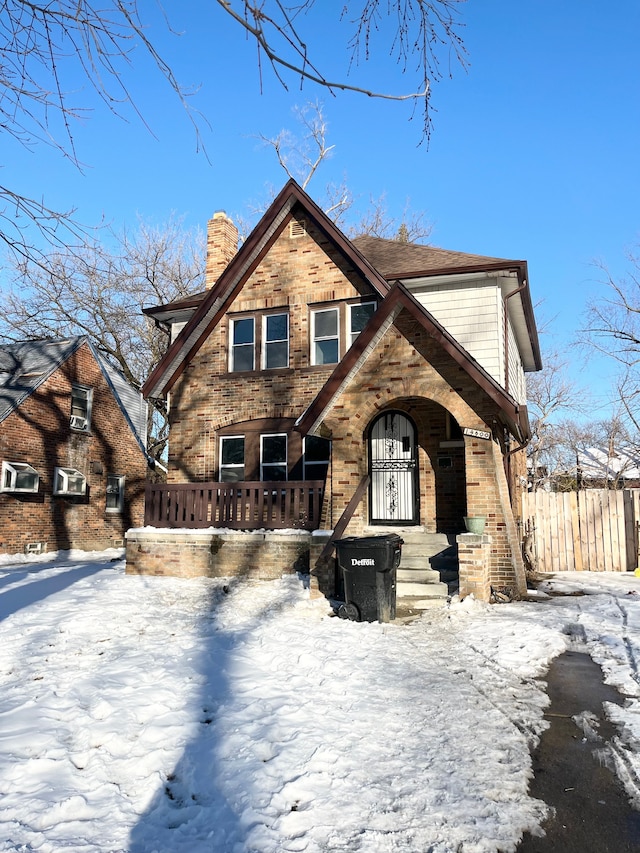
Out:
{"x": 369, "y": 565}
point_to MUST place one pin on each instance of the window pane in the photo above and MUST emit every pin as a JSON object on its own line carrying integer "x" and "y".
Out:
{"x": 277, "y": 327}
{"x": 232, "y": 475}
{"x": 326, "y": 323}
{"x": 243, "y": 331}
{"x": 233, "y": 451}
{"x": 316, "y": 449}
{"x": 243, "y": 358}
{"x": 327, "y": 352}
{"x": 275, "y": 472}
{"x": 277, "y": 354}
{"x": 360, "y": 315}
{"x": 27, "y": 480}
{"x": 76, "y": 483}
{"x": 316, "y": 471}
{"x": 274, "y": 449}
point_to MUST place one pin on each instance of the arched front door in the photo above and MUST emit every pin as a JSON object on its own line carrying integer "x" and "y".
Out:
{"x": 393, "y": 469}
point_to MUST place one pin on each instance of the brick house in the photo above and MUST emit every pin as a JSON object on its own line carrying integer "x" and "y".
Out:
{"x": 373, "y": 384}
{"x": 72, "y": 448}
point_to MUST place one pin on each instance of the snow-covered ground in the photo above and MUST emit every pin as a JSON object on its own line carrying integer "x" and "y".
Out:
{"x": 184, "y": 716}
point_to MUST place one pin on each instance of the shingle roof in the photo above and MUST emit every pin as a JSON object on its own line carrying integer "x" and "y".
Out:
{"x": 394, "y": 259}
{"x": 24, "y": 366}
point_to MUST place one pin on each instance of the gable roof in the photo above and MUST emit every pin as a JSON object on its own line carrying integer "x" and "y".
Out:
{"x": 212, "y": 307}
{"x": 26, "y": 365}
{"x": 373, "y": 258}
{"x": 515, "y": 416}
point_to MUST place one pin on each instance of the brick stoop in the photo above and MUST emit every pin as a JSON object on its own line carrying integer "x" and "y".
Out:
{"x": 428, "y": 571}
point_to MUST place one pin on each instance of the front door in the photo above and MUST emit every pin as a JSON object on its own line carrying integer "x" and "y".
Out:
{"x": 393, "y": 469}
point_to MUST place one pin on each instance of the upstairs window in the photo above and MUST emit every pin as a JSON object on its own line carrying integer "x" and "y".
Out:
{"x": 115, "y": 493}
{"x": 242, "y": 351}
{"x": 81, "y": 398}
{"x": 275, "y": 337}
{"x": 68, "y": 481}
{"x": 359, "y": 316}
{"x": 325, "y": 327}
{"x": 273, "y": 457}
{"x": 19, "y": 477}
{"x": 231, "y": 458}
{"x": 317, "y": 452}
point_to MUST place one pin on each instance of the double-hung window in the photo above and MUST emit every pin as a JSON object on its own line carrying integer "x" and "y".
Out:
{"x": 273, "y": 457}
{"x": 231, "y": 458}
{"x": 325, "y": 336}
{"x": 115, "y": 493}
{"x": 80, "y": 418}
{"x": 275, "y": 340}
{"x": 242, "y": 350}
{"x": 359, "y": 316}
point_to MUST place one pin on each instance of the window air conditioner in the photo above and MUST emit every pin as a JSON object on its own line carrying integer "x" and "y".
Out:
{"x": 78, "y": 422}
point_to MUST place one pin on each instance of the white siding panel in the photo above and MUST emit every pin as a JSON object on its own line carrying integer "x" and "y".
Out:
{"x": 473, "y": 315}
{"x": 517, "y": 383}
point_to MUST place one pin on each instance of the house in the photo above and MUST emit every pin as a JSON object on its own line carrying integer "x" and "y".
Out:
{"x": 72, "y": 448}
{"x": 348, "y": 386}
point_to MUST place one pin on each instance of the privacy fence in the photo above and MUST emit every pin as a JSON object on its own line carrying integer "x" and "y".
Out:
{"x": 592, "y": 530}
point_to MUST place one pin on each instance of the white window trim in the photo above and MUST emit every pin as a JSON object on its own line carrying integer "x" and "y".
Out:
{"x": 232, "y": 346}
{"x": 81, "y": 423}
{"x": 224, "y": 438}
{"x": 267, "y": 465}
{"x": 13, "y": 469}
{"x": 265, "y": 342}
{"x": 324, "y": 338}
{"x": 64, "y": 474}
{"x": 120, "y": 507}
{"x": 352, "y": 336}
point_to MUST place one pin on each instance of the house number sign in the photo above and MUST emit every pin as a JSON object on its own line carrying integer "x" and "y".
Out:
{"x": 476, "y": 433}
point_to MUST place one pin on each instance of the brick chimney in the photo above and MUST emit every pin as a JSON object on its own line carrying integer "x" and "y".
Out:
{"x": 222, "y": 245}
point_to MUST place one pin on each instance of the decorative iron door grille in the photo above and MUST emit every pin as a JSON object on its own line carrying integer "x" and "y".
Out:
{"x": 393, "y": 470}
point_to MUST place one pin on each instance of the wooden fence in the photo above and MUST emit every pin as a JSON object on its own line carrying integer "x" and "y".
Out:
{"x": 592, "y": 530}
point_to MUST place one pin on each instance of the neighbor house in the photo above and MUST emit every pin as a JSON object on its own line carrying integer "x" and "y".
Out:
{"x": 346, "y": 386}
{"x": 72, "y": 448}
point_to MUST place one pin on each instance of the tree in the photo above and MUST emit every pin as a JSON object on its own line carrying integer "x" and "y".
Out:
{"x": 422, "y": 29}
{"x": 613, "y": 320}
{"x": 47, "y": 47}
{"x": 301, "y": 154}
{"x": 100, "y": 291}
{"x": 550, "y": 395}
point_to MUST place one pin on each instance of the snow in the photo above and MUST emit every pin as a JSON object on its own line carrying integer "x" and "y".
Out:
{"x": 146, "y": 714}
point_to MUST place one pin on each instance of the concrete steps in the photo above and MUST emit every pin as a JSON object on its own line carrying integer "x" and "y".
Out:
{"x": 428, "y": 570}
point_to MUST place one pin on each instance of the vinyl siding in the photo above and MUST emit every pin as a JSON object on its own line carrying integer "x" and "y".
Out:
{"x": 473, "y": 315}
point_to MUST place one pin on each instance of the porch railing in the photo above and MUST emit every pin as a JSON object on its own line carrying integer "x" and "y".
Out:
{"x": 239, "y": 506}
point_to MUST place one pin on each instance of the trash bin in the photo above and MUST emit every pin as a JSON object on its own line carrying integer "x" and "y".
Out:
{"x": 369, "y": 565}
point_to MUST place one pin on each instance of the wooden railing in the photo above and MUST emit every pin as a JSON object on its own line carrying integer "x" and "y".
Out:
{"x": 239, "y": 506}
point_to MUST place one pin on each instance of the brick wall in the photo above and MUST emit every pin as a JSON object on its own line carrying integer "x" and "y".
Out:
{"x": 257, "y": 556}
{"x": 38, "y": 433}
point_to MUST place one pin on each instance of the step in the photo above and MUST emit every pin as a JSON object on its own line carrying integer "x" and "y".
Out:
{"x": 412, "y": 607}
{"x": 408, "y": 589}
{"x": 408, "y": 573}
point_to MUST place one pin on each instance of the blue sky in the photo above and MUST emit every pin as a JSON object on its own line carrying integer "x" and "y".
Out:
{"x": 534, "y": 152}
